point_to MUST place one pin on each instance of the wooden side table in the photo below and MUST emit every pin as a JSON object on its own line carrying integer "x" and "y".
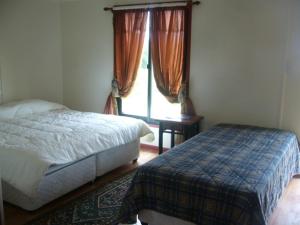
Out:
{"x": 1, "y": 205}
{"x": 188, "y": 126}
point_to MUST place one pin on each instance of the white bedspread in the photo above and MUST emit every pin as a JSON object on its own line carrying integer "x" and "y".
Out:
{"x": 29, "y": 145}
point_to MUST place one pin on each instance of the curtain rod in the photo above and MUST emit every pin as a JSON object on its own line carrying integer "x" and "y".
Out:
{"x": 149, "y": 4}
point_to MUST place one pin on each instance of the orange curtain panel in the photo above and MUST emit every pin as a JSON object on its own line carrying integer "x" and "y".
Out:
{"x": 170, "y": 52}
{"x": 167, "y": 49}
{"x": 129, "y": 34}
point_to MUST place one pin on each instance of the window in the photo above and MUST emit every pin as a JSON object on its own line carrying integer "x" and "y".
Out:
{"x": 144, "y": 100}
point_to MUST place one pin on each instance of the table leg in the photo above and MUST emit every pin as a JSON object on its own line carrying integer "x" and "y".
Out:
{"x": 197, "y": 128}
{"x": 1, "y": 206}
{"x": 160, "y": 139}
{"x": 172, "y": 138}
{"x": 185, "y": 133}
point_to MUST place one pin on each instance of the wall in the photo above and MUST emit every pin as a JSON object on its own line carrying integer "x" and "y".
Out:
{"x": 237, "y": 65}
{"x": 291, "y": 103}
{"x": 244, "y": 65}
{"x": 30, "y": 49}
{"x": 238, "y": 60}
{"x": 87, "y": 36}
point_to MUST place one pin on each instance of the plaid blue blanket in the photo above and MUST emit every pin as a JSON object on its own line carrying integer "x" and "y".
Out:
{"x": 230, "y": 174}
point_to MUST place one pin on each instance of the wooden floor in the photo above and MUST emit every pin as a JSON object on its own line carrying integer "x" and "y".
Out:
{"x": 286, "y": 213}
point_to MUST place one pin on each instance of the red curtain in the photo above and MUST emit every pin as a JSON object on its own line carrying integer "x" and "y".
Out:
{"x": 111, "y": 106}
{"x": 129, "y": 34}
{"x": 170, "y": 52}
{"x": 167, "y": 49}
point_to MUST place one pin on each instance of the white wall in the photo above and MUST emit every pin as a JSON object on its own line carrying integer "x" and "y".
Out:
{"x": 87, "y": 36}
{"x": 237, "y": 64}
{"x": 238, "y": 60}
{"x": 291, "y": 97}
{"x": 244, "y": 65}
{"x": 30, "y": 49}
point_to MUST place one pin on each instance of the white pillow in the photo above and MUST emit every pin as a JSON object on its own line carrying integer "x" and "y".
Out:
{"x": 22, "y": 108}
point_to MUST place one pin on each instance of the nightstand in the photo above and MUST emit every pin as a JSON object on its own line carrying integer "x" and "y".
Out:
{"x": 188, "y": 126}
{"x": 1, "y": 204}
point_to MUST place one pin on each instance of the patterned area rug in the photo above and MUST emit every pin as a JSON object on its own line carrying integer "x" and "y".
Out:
{"x": 100, "y": 207}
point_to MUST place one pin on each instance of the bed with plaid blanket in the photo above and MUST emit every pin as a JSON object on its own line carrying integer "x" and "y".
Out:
{"x": 230, "y": 174}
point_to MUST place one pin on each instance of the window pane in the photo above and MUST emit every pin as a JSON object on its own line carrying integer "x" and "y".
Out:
{"x": 161, "y": 107}
{"x": 136, "y": 103}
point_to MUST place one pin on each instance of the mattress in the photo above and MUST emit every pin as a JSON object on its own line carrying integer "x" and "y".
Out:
{"x": 37, "y": 137}
{"x": 61, "y": 179}
{"x": 230, "y": 175}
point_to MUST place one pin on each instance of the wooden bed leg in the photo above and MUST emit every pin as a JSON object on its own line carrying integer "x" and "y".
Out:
{"x": 92, "y": 182}
{"x": 134, "y": 161}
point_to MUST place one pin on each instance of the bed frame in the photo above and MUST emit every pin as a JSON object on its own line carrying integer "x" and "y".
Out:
{"x": 61, "y": 179}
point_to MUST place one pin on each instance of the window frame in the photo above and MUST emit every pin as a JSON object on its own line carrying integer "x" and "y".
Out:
{"x": 186, "y": 74}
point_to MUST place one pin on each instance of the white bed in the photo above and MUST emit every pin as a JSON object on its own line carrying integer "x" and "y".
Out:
{"x": 47, "y": 150}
